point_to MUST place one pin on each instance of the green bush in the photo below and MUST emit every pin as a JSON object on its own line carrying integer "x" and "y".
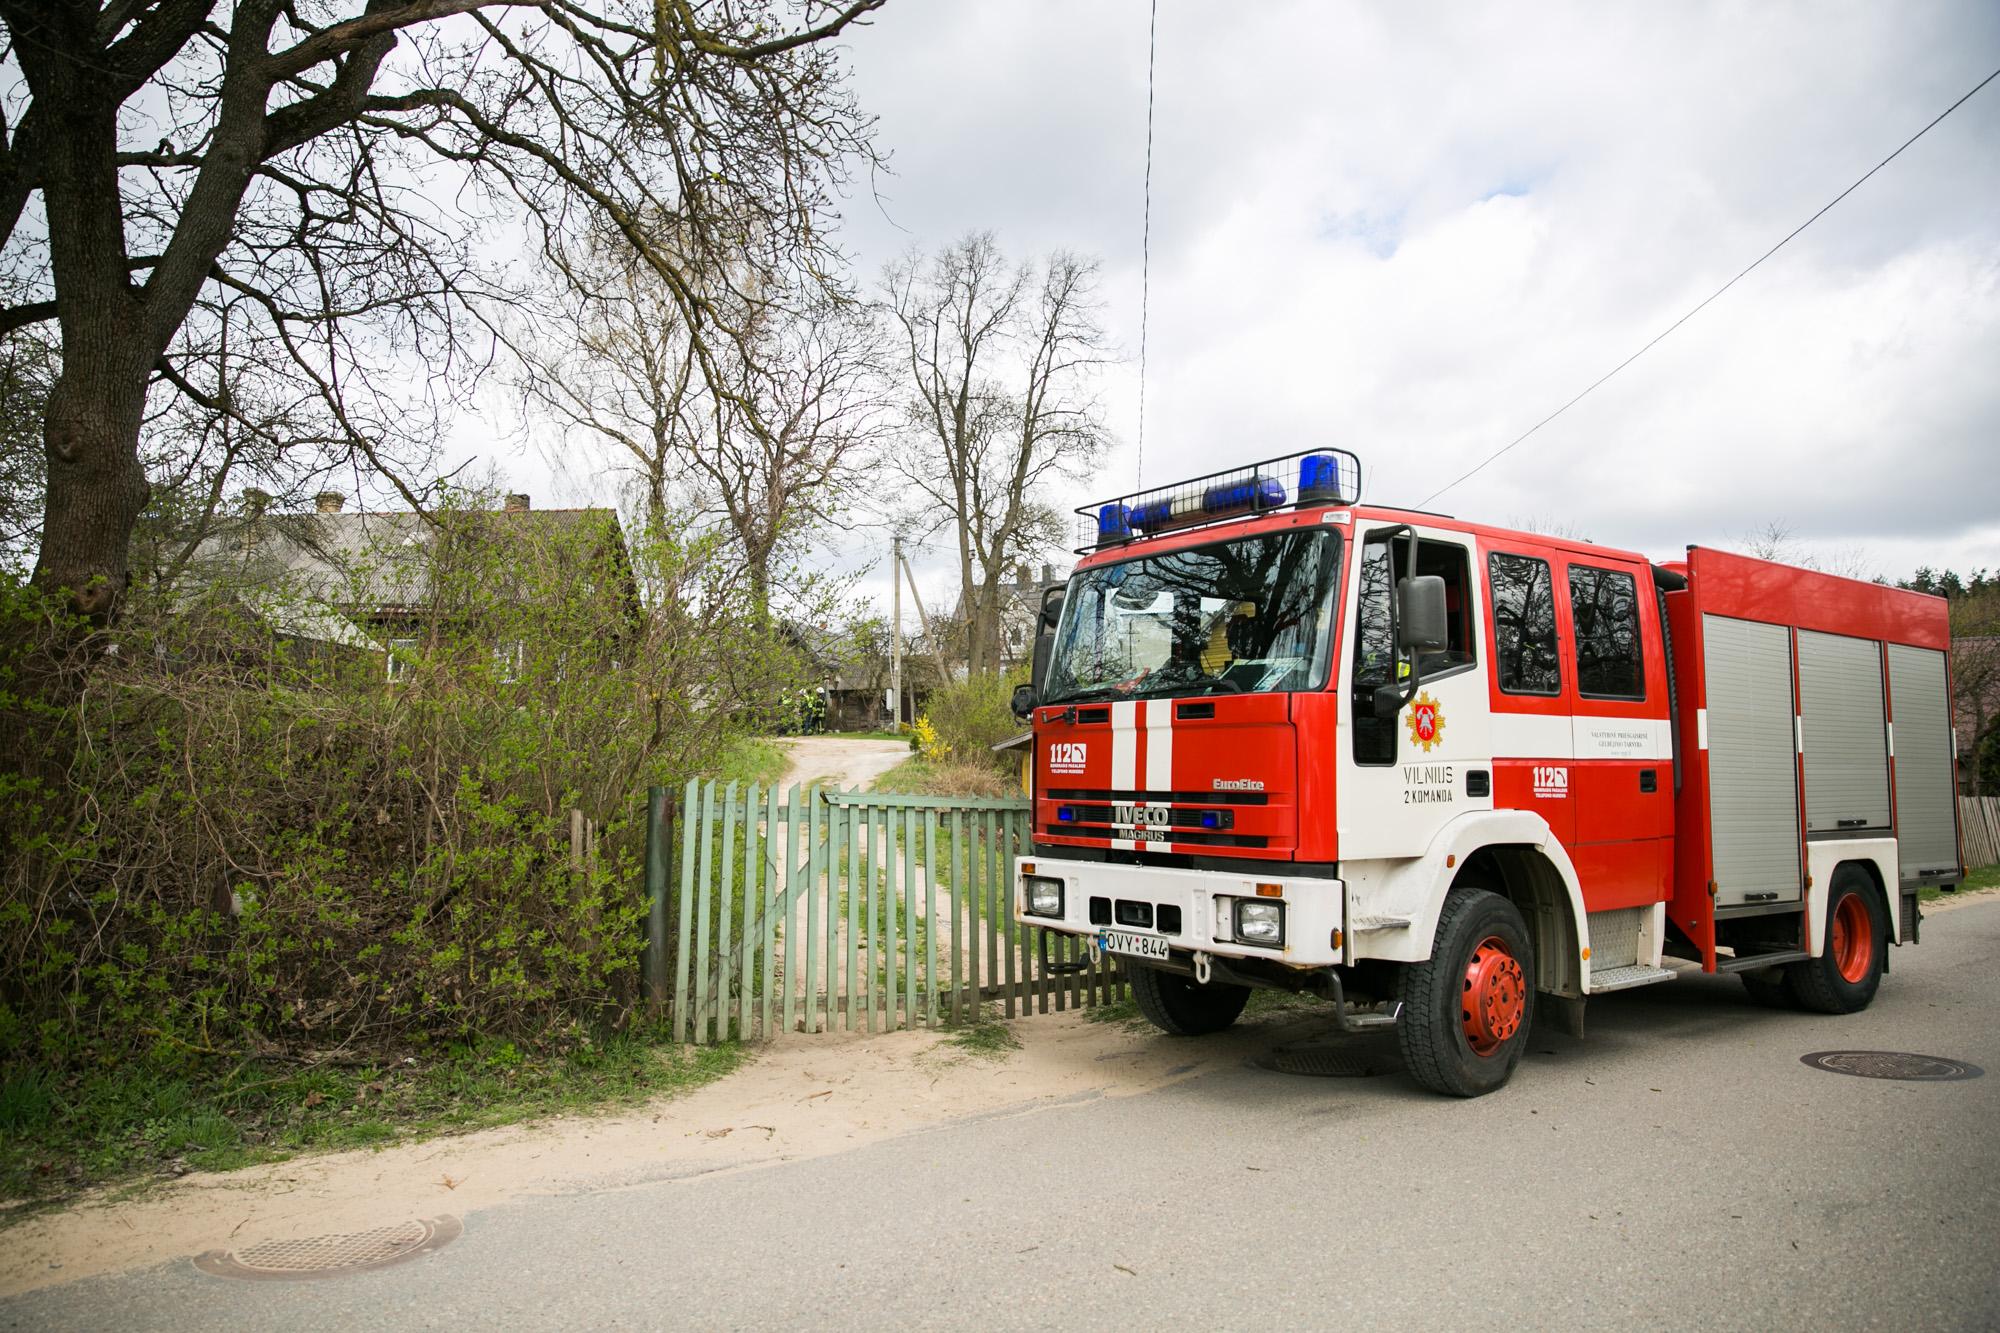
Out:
{"x": 235, "y": 833}
{"x": 970, "y": 717}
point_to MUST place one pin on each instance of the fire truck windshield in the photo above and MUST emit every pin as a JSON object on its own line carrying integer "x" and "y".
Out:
{"x": 1243, "y": 616}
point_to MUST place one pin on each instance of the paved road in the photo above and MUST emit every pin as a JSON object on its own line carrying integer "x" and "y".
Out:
{"x": 1679, "y": 1167}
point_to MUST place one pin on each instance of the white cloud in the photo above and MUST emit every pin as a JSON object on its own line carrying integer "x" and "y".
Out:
{"x": 1416, "y": 231}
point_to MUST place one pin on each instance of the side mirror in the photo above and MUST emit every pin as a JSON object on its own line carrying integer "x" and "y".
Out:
{"x": 1024, "y": 700}
{"x": 1045, "y": 643}
{"x": 1420, "y": 614}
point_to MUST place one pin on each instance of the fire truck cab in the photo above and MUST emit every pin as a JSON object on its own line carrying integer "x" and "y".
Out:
{"x": 1440, "y": 773}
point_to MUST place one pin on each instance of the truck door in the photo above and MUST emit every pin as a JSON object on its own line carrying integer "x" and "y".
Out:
{"x": 1533, "y": 693}
{"x": 1621, "y": 780}
{"x": 1405, "y": 774}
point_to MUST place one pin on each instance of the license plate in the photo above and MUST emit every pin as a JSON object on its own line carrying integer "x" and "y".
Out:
{"x": 1139, "y": 946}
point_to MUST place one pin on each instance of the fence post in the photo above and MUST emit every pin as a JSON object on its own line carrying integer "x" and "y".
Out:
{"x": 659, "y": 834}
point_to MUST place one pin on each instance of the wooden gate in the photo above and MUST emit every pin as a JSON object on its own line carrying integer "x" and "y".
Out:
{"x": 820, "y": 909}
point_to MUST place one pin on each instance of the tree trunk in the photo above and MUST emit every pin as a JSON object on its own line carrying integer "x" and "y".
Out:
{"x": 97, "y": 487}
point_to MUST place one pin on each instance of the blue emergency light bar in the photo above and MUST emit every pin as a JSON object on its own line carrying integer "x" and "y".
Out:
{"x": 1319, "y": 477}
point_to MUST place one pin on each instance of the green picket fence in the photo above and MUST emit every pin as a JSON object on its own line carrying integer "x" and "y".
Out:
{"x": 817, "y": 909}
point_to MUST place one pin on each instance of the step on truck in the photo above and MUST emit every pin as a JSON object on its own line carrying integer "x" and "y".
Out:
{"x": 1442, "y": 774}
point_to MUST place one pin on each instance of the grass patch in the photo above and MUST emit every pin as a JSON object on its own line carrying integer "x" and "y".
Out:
{"x": 1280, "y": 1001}
{"x": 749, "y": 759}
{"x": 1986, "y": 877}
{"x": 918, "y": 776}
{"x": 1118, "y": 1011}
{"x": 985, "y": 1036}
{"x": 61, "y": 1134}
{"x": 1261, "y": 1002}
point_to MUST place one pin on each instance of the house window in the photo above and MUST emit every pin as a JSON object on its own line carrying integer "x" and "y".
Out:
{"x": 402, "y": 659}
{"x": 1524, "y": 624}
{"x": 1604, "y": 607}
{"x": 507, "y": 658}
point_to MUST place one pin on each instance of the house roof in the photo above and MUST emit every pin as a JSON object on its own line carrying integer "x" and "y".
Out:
{"x": 334, "y": 566}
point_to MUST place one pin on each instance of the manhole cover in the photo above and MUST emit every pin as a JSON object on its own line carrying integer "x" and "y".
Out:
{"x": 1892, "y": 1064}
{"x": 1323, "y": 1062}
{"x": 331, "y": 1256}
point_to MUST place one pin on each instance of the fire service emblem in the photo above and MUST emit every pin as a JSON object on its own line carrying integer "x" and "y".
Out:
{"x": 1425, "y": 721}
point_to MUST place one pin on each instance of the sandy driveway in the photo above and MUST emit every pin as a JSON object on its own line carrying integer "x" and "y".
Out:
{"x": 840, "y": 760}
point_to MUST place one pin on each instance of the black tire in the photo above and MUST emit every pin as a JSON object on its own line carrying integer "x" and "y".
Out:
{"x": 1771, "y": 993}
{"x": 1433, "y": 1030}
{"x": 1182, "y": 1006}
{"x": 1843, "y": 981}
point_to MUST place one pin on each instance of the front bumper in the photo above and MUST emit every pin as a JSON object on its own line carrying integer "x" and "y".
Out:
{"x": 1313, "y": 907}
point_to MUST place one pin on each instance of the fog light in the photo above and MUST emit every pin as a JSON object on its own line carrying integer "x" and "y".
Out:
{"x": 1260, "y": 922}
{"x": 1045, "y": 896}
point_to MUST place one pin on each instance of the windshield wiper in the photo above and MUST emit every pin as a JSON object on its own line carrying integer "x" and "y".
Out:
{"x": 1091, "y": 695}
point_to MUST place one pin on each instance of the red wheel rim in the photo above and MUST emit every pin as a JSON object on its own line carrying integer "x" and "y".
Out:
{"x": 1853, "y": 942}
{"x": 1495, "y": 999}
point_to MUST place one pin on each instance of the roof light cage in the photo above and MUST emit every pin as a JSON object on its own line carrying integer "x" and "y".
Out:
{"x": 1314, "y": 477}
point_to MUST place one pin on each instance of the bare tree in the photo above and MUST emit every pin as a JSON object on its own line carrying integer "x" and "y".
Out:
{"x": 338, "y": 171}
{"x": 1549, "y": 525}
{"x": 1776, "y": 541}
{"x": 784, "y": 449}
{"x": 1000, "y": 364}
{"x": 1975, "y": 670}
{"x": 767, "y": 439}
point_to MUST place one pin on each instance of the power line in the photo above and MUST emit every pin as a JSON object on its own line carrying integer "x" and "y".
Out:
{"x": 1146, "y": 250}
{"x": 1481, "y": 465}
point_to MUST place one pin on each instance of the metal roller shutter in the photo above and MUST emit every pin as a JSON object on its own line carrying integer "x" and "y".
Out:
{"x": 1753, "y": 807}
{"x": 1846, "y": 741}
{"x": 1926, "y": 823}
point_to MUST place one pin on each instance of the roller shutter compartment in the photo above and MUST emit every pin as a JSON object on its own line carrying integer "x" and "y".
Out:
{"x": 1846, "y": 737}
{"x": 1926, "y": 823}
{"x": 1753, "y": 806}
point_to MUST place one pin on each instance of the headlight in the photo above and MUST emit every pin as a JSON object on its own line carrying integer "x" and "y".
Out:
{"x": 1045, "y": 896}
{"x": 1259, "y": 922}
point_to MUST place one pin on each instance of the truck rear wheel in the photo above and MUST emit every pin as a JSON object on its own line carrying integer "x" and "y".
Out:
{"x": 1844, "y": 978}
{"x": 1468, "y": 1007}
{"x": 1178, "y": 1005}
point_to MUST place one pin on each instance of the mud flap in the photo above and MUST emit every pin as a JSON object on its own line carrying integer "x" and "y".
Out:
{"x": 1565, "y": 1010}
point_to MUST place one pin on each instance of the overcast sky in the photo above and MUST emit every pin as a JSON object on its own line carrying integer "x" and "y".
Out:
{"x": 1413, "y": 231}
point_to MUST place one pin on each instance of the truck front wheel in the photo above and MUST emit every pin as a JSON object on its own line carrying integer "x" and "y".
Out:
{"x": 1468, "y": 1007}
{"x": 1185, "y": 1008}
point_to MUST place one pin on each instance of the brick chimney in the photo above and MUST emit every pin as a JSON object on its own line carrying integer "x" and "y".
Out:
{"x": 517, "y": 503}
{"x": 329, "y": 502}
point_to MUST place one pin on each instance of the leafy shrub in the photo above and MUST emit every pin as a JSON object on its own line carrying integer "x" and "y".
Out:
{"x": 970, "y": 717}
{"x": 238, "y": 832}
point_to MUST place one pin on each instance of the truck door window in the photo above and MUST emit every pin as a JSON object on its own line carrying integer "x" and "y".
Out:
{"x": 1604, "y": 607}
{"x": 1524, "y": 624}
{"x": 1376, "y": 662}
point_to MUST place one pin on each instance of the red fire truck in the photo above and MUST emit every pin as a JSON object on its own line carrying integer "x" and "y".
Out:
{"x": 1441, "y": 773}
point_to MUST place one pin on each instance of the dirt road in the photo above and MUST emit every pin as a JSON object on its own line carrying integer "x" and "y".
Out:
{"x": 843, "y": 761}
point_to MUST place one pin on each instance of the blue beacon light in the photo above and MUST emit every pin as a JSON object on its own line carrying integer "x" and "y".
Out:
{"x": 1250, "y": 493}
{"x": 1319, "y": 478}
{"x": 1114, "y": 523}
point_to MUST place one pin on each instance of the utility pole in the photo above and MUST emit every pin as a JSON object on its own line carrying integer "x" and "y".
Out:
{"x": 896, "y": 634}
